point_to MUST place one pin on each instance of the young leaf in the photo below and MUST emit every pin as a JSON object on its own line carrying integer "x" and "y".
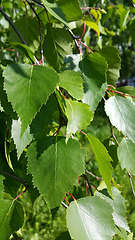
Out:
{"x": 21, "y": 142}
{"x": 73, "y": 83}
{"x": 90, "y": 218}
{"x": 103, "y": 160}
{"x": 126, "y": 154}
{"x": 111, "y": 55}
{"x": 12, "y": 217}
{"x": 57, "y": 44}
{"x": 55, "y": 164}
{"x": 121, "y": 112}
{"x": 79, "y": 116}
{"x": 118, "y": 204}
{"x": 71, "y": 8}
{"x": 93, "y": 25}
{"x": 28, "y": 88}
{"x": 93, "y": 69}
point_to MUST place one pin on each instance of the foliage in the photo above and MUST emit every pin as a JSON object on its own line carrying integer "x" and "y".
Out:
{"x": 48, "y": 117}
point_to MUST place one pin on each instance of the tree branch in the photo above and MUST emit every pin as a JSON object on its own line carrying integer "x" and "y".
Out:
{"x": 17, "y": 32}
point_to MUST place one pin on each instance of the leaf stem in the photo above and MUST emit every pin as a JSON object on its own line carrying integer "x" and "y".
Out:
{"x": 40, "y": 27}
{"x": 98, "y": 178}
{"x": 130, "y": 178}
{"x": 72, "y": 196}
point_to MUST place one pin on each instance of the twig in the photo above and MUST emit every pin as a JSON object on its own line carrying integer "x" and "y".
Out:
{"x": 89, "y": 184}
{"x": 17, "y": 32}
{"x": 41, "y": 43}
{"x": 18, "y": 178}
{"x": 130, "y": 178}
{"x": 98, "y": 178}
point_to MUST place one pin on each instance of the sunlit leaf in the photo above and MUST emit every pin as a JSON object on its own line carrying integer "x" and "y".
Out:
{"x": 71, "y": 8}
{"x": 79, "y": 116}
{"x": 121, "y": 112}
{"x": 118, "y": 204}
{"x": 103, "y": 160}
{"x": 126, "y": 155}
{"x": 21, "y": 142}
{"x": 73, "y": 83}
{"x": 93, "y": 25}
{"x": 90, "y": 218}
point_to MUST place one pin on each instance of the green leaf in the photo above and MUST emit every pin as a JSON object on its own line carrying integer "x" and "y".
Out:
{"x": 71, "y": 8}
{"x": 93, "y": 69}
{"x": 12, "y": 217}
{"x": 28, "y": 88}
{"x": 79, "y": 116}
{"x": 1, "y": 186}
{"x": 121, "y": 112}
{"x": 28, "y": 27}
{"x": 20, "y": 142}
{"x": 73, "y": 83}
{"x": 56, "y": 12}
{"x": 118, "y": 204}
{"x": 111, "y": 55}
{"x": 57, "y": 44}
{"x": 126, "y": 153}
{"x": 131, "y": 30}
{"x": 27, "y": 51}
{"x": 44, "y": 118}
{"x": 103, "y": 160}
{"x": 64, "y": 236}
{"x": 128, "y": 90}
{"x": 90, "y": 218}
{"x": 93, "y": 25}
{"x": 55, "y": 167}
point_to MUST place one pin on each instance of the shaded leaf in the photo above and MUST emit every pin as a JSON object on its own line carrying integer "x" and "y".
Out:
{"x": 20, "y": 142}
{"x": 103, "y": 160}
{"x": 121, "y": 112}
{"x": 27, "y": 51}
{"x": 28, "y": 88}
{"x": 118, "y": 204}
{"x": 93, "y": 69}
{"x": 12, "y": 217}
{"x": 90, "y": 218}
{"x": 131, "y": 30}
{"x": 52, "y": 163}
{"x": 44, "y": 118}
{"x": 79, "y": 116}
{"x": 126, "y": 155}
{"x": 73, "y": 83}
{"x": 71, "y": 8}
{"x": 64, "y": 236}
{"x": 28, "y": 27}
{"x": 111, "y": 55}
{"x": 57, "y": 45}
{"x": 128, "y": 90}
